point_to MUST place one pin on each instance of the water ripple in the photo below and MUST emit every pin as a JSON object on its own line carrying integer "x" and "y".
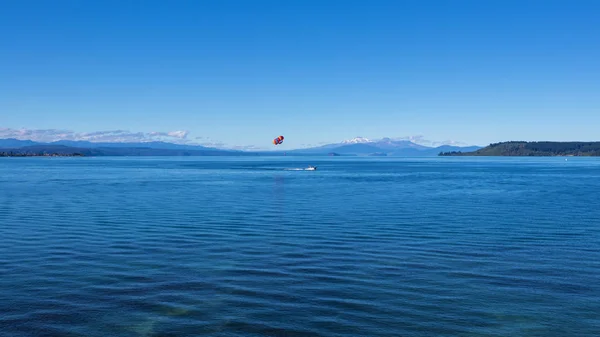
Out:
{"x": 249, "y": 247}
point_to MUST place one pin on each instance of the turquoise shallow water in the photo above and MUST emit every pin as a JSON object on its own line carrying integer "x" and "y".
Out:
{"x": 252, "y": 247}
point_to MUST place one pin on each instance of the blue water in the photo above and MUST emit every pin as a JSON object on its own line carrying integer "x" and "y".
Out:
{"x": 251, "y": 247}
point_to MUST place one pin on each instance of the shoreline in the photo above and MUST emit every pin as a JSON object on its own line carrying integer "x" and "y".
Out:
{"x": 13, "y": 155}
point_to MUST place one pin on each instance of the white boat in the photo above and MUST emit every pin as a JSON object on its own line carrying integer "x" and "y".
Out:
{"x": 311, "y": 168}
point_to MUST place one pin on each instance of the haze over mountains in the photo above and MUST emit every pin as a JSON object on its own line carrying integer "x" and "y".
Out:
{"x": 353, "y": 147}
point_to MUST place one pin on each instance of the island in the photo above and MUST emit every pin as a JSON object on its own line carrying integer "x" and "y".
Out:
{"x": 540, "y": 149}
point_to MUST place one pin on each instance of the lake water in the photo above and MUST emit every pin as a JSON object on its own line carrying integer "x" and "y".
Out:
{"x": 251, "y": 247}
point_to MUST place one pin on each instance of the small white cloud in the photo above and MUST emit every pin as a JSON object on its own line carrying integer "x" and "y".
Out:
{"x": 308, "y": 146}
{"x": 178, "y": 134}
{"x": 421, "y": 140}
{"x": 217, "y": 145}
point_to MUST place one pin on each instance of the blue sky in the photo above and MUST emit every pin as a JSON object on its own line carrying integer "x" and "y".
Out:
{"x": 243, "y": 72}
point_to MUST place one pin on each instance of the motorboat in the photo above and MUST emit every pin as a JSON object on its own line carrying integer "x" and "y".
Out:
{"x": 311, "y": 168}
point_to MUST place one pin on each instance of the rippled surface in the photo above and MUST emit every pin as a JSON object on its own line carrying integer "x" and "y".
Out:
{"x": 248, "y": 247}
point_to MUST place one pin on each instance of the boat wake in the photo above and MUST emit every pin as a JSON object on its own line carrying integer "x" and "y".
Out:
{"x": 310, "y": 168}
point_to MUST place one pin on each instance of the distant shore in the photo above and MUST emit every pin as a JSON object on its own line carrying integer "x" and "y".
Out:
{"x": 534, "y": 149}
{"x": 11, "y": 154}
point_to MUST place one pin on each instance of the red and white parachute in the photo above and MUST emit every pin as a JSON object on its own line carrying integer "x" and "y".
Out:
{"x": 278, "y": 140}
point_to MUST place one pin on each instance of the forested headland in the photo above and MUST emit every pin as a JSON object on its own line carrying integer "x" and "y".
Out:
{"x": 520, "y": 148}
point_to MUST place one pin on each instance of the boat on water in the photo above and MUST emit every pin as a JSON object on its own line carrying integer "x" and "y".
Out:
{"x": 311, "y": 168}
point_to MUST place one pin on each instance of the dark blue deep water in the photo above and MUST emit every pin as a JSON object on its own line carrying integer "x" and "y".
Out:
{"x": 250, "y": 247}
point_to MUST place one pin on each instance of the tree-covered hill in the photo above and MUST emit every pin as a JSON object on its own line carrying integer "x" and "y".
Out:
{"x": 519, "y": 148}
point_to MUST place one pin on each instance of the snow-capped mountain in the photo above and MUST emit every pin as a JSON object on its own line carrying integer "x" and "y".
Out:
{"x": 383, "y": 143}
{"x": 357, "y": 140}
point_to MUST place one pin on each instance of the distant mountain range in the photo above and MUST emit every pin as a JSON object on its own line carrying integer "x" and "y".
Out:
{"x": 383, "y": 147}
{"x": 114, "y": 149}
{"x": 353, "y": 147}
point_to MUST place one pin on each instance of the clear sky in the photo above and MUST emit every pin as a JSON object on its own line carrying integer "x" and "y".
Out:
{"x": 243, "y": 72}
